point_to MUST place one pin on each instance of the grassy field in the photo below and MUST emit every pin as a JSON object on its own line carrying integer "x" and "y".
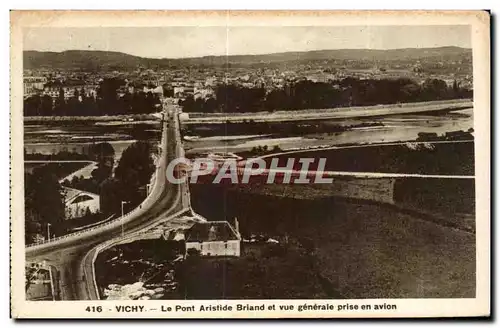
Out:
{"x": 363, "y": 250}
{"x": 376, "y": 252}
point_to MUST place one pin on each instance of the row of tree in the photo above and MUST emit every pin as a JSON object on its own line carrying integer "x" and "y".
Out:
{"x": 128, "y": 183}
{"x": 45, "y": 197}
{"x": 43, "y": 204}
{"x": 312, "y": 95}
{"x": 106, "y": 102}
{"x": 61, "y": 155}
{"x": 130, "y": 179}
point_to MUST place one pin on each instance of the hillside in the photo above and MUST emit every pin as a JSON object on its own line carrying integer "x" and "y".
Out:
{"x": 90, "y": 60}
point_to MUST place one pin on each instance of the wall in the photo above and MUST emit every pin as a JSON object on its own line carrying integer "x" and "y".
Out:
{"x": 216, "y": 248}
{"x": 449, "y": 201}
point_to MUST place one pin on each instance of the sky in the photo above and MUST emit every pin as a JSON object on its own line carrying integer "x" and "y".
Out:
{"x": 179, "y": 42}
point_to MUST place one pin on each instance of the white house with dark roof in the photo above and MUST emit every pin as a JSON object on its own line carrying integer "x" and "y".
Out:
{"x": 214, "y": 238}
{"x": 78, "y": 201}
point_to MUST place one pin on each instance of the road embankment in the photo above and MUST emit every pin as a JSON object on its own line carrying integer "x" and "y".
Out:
{"x": 331, "y": 113}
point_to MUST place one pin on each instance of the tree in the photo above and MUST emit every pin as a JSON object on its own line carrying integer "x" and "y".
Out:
{"x": 47, "y": 105}
{"x": 107, "y": 96}
{"x": 101, "y": 173}
{"x": 435, "y": 89}
{"x": 110, "y": 197}
{"x": 89, "y": 106}
{"x": 133, "y": 172}
{"x": 410, "y": 91}
{"x": 44, "y": 203}
{"x": 60, "y": 104}
{"x": 167, "y": 90}
{"x": 73, "y": 106}
{"x": 136, "y": 165}
{"x": 103, "y": 153}
{"x": 31, "y": 106}
{"x": 188, "y": 104}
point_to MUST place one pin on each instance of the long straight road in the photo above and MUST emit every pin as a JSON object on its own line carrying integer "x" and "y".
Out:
{"x": 70, "y": 254}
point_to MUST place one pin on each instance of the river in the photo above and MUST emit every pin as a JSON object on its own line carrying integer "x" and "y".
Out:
{"x": 393, "y": 128}
{"x": 55, "y": 137}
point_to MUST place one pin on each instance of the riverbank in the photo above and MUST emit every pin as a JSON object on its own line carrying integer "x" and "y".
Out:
{"x": 103, "y": 118}
{"x": 325, "y": 133}
{"x": 331, "y": 113}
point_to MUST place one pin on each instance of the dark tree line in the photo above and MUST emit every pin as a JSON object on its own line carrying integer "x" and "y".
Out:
{"x": 339, "y": 93}
{"x": 106, "y": 102}
{"x": 61, "y": 155}
{"x": 44, "y": 204}
{"x": 109, "y": 103}
{"x": 38, "y": 106}
{"x": 44, "y": 196}
{"x": 129, "y": 183}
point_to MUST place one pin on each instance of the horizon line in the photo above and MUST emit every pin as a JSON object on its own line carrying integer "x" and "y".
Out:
{"x": 246, "y": 54}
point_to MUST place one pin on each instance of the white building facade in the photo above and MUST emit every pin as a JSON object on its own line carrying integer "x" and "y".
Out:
{"x": 79, "y": 202}
{"x": 215, "y": 238}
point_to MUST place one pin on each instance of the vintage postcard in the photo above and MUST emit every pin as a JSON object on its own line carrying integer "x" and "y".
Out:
{"x": 250, "y": 164}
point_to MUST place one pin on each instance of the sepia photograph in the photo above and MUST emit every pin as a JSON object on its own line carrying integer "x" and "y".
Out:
{"x": 248, "y": 166}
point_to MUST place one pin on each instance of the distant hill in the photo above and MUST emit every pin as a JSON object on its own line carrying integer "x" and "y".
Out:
{"x": 83, "y": 59}
{"x": 91, "y": 60}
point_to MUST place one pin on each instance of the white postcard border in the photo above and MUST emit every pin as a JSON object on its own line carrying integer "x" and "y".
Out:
{"x": 479, "y": 22}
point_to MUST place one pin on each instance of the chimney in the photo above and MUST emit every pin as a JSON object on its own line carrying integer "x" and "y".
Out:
{"x": 236, "y": 225}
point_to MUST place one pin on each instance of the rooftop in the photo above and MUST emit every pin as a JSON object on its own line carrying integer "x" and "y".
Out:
{"x": 211, "y": 231}
{"x": 71, "y": 194}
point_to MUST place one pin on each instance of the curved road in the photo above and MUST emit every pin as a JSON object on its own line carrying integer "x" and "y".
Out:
{"x": 70, "y": 255}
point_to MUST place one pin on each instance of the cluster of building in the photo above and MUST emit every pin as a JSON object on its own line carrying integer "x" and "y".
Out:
{"x": 69, "y": 89}
{"x": 201, "y": 82}
{"x": 33, "y": 85}
{"x": 40, "y": 285}
{"x": 71, "y": 84}
{"x": 43, "y": 85}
